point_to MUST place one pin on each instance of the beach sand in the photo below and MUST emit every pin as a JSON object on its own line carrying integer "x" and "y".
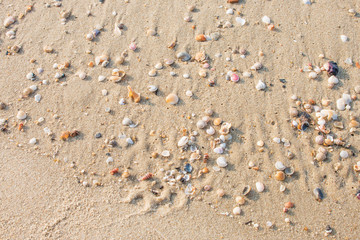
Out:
{"x": 47, "y": 190}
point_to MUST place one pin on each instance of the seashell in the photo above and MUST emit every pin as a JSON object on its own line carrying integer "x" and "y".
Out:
{"x": 168, "y": 62}
{"x": 260, "y": 143}
{"x": 132, "y": 46}
{"x": 319, "y": 139}
{"x": 48, "y": 49}
{"x": 290, "y": 155}
{"x": 266, "y": 20}
{"x": 344, "y": 38}
{"x": 82, "y": 75}
{"x": 2, "y": 106}
{"x": 33, "y": 141}
{"x": 354, "y": 124}
{"x": 31, "y": 76}
{"x": 37, "y": 98}
{"x": 356, "y": 168}
{"x": 340, "y": 104}
{"x": 234, "y": 77}
{"x": 230, "y": 11}
{"x": 202, "y": 73}
{"x": 240, "y": 20}
{"x": 21, "y": 115}
{"x": 246, "y": 190}
{"x": 201, "y": 124}
{"x": 256, "y": 66}
{"x": 187, "y": 18}
{"x": 247, "y": 74}
{"x": 279, "y": 166}
{"x": 11, "y": 34}
{"x": 280, "y": 176}
{"x": 126, "y": 121}
{"x": 282, "y": 188}
{"x": 260, "y": 186}
{"x": 236, "y": 211}
{"x": 320, "y": 156}
{"x": 133, "y": 95}
{"x": 100, "y": 59}
{"x": 260, "y": 86}
{"x": 289, "y": 171}
{"x": 312, "y": 75}
{"x": 240, "y": 200}
{"x": 8, "y": 21}
{"x": 200, "y": 38}
{"x": 225, "y": 128}
{"x": 27, "y": 92}
{"x": 232, "y": 1}
{"x": 151, "y": 32}
{"x": 153, "y": 88}
{"x": 293, "y": 112}
{"x": 158, "y": 66}
{"x": 200, "y": 57}
{"x": 172, "y": 98}
{"x": 221, "y": 162}
{"x": 357, "y": 89}
{"x": 152, "y": 73}
{"x": 89, "y": 37}
{"x": 146, "y": 177}
{"x": 119, "y": 60}
{"x": 210, "y": 131}
{"x": 64, "y": 14}
{"x": 220, "y": 192}
{"x": 339, "y": 125}
{"x": 332, "y": 68}
{"x": 289, "y": 205}
{"x": 344, "y": 154}
{"x": 319, "y": 196}
{"x": 215, "y": 36}
{"x": 218, "y": 150}
{"x": 333, "y": 80}
{"x": 189, "y": 93}
{"x": 184, "y": 56}
{"x": 183, "y": 141}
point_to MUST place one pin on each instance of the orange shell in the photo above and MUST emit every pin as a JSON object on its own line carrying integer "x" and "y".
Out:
{"x": 200, "y": 38}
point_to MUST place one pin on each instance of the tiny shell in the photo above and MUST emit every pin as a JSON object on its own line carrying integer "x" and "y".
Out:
{"x": 319, "y": 139}
{"x": 82, "y": 75}
{"x": 132, "y": 46}
{"x": 126, "y": 121}
{"x": 158, "y": 66}
{"x": 210, "y": 131}
{"x": 340, "y": 104}
{"x": 319, "y": 196}
{"x": 168, "y": 62}
{"x": 220, "y": 192}
{"x": 240, "y": 200}
{"x": 256, "y": 66}
{"x": 183, "y": 141}
{"x": 184, "y": 56}
{"x": 289, "y": 171}
{"x": 320, "y": 156}
{"x": 293, "y": 112}
{"x": 279, "y": 166}
{"x": 260, "y": 86}
{"x": 201, "y": 124}
{"x": 246, "y": 190}
{"x": 344, "y": 154}
{"x": 282, "y": 188}
{"x": 266, "y": 20}
{"x": 172, "y": 99}
{"x": 343, "y": 38}
{"x": 218, "y": 150}
{"x": 260, "y": 143}
{"x": 8, "y": 21}
{"x": 89, "y": 37}
{"x": 48, "y": 49}
{"x": 260, "y": 186}
{"x": 200, "y": 38}
{"x": 234, "y": 77}
{"x": 152, "y": 73}
{"x": 152, "y": 88}
{"x": 165, "y": 153}
{"x": 133, "y": 95}
{"x": 21, "y": 115}
{"x": 221, "y": 162}
{"x": 289, "y": 205}
{"x": 240, "y": 20}
{"x": 225, "y": 128}
{"x": 202, "y": 73}
{"x": 280, "y": 176}
{"x": 237, "y": 211}
{"x": 312, "y": 75}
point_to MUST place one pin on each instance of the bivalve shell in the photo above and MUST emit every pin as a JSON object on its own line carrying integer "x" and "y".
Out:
{"x": 21, "y": 115}
{"x": 183, "y": 141}
{"x": 279, "y": 166}
{"x": 221, "y": 162}
{"x": 280, "y": 176}
{"x": 172, "y": 98}
{"x": 260, "y": 186}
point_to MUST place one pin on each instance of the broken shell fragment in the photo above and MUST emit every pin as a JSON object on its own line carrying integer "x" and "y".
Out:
{"x": 172, "y": 98}
{"x": 183, "y": 141}
{"x": 225, "y": 128}
{"x": 133, "y": 95}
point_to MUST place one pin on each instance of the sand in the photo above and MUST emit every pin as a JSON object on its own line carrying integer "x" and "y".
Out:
{"x": 42, "y": 195}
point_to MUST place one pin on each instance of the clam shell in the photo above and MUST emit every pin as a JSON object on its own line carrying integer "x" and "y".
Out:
{"x": 184, "y": 56}
{"x": 152, "y": 73}
{"x": 240, "y": 200}
{"x": 289, "y": 171}
{"x": 260, "y": 85}
{"x": 126, "y": 121}
{"x": 172, "y": 98}
{"x": 221, "y": 162}
{"x": 8, "y": 21}
{"x": 237, "y": 211}
{"x": 168, "y": 62}
{"x": 225, "y": 128}
{"x": 319, "y": 196}
{"x": 279, "y": 166}
{"x": 260, "y": 186}
{"x": 210, "y": 131}
{"x": 152, "y": 88}
{"x": 201, "y": 124}
{"x": 183, "y": 141}
{"x": 280, "y": 176}
{"x": 21, "y": 115}
{"x": 246, "y": 190}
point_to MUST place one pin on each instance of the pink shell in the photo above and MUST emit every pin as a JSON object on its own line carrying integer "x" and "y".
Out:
{"x": 205, "y": 65}
{"x": 132, "y": 46}
{"x": 234, "y": 77}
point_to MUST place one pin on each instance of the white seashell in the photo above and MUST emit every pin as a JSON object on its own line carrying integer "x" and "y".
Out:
{"x": 246, "y": 74}
{"x": 218, "y": 150}
{"x": 41, "y": 119}
{"x": 89, "y": 37}
{"x": 31, "y": 76}
{"x": 82, "y": 75}
{"x": 201, "y": 124}
{"x": 172, "y": 99}
{"x": 109, "y": 160}
{"x": 230, "y": 11}
{"x": 317, "y": 70}
{"x": 210, "y": 131}
{"x": 237, "y": 211}
{"x": 256, "y": 66}
{"x": 347, "y": 98}
{"x": 266, "y": 20}
{"x": 21, "y": 115}
{"x": 279, "y": 166}
{"x": 122, "y": 101}
{"x": 126, "y": 121}
{"x": 282, "y": 188}
{"x": 184, "y": 56}
{"x": 186, "y": 75}
{"x": 312, "y": 75}
{"x": 333, "y": 80}
{"x": 308, "y": 2}
{"x": 129, "y": 141}
{"x": 276, "y": 139}
{"x": 37, "y": 97}
{"x": 340, "y": 104}
{"x": 8, "y": 21}
{"x": 260, "y": 143}
{"x": 344, "y": 154}
{"x": 11, "y": 34}
{"x": 348, "y": 61}
{"x": 152, "y": 88}
{"x": 168, "y": 62}
{"x": 319, "y": 139}
{"x": 183, "y": 141}
{"x": 158, "y": 66}
{"x": 33, "y": 141}
{"x": 189, "y": 93}
{"x": 152, "y": 73}
{"x": 33, "y": 87}
{"x": 343, "y": 38}
{"x": 165, "y": 153}
{"x": 221, "y": 162}
{"x": 172, "y": 74}
{"x": 240, "y": 20}
{"x": 104, "y": 92}
{"x": 260, "y": 186}
{"x": 260, "y": 86}
{"x": 202, "y": 73}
